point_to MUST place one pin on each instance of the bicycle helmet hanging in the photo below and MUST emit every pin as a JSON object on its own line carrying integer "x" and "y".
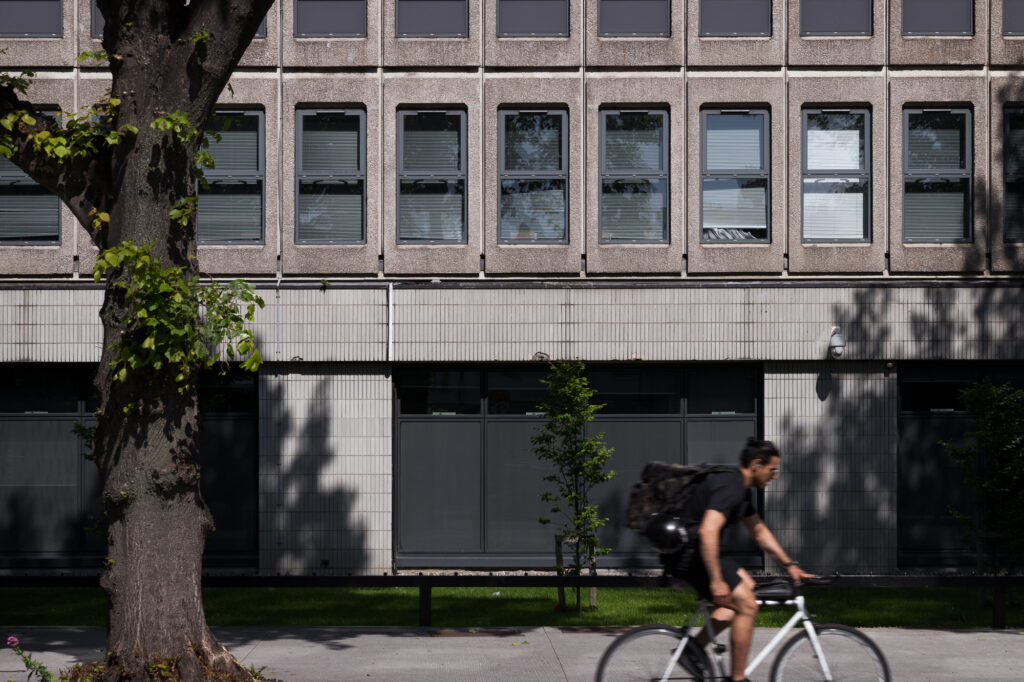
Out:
{"x": 666, "y": 533}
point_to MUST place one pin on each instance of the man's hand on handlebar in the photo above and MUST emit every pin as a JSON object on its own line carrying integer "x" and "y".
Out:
{"x": 797, "y": 574}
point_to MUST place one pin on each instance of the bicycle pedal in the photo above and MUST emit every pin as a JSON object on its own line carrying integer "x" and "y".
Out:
{"x": 718, "y": 648}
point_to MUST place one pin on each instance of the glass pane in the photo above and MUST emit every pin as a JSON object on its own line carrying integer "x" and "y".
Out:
{"x": 431, "y": 18}
{"x": 932, "y": 396}
{"x": 40, "y": 388}
{"x": 330, "y": 143}
{"x": 431, "y": 210}
{"x": 230, "y": 211}
{"x": 330, "y": 18}
{"x": 634, "y": 210}
{"x": 633, "y": 18}
{"x": 515, "y": 392}
{"x": 432, "y": 142}
{"x": 330, "y": 211}
{"x": 422, "y": 391}
{"x": 937, "y": 140}
{"x": 734, "y": 209}
{"x": 1013, "y": 145}
{"x": 721, "y": 390}
{"x": 734, "y": 142}
{"x": 98, "y": 21}
{"x": 232, "y": 392}
{"x": 31, "y": 18}
{"x": 633, "y": 142}
{"x": 938, "y": 17}
{"x": 735, "y": 17}
{"x": 1013, "y": 210}
{"x": 1013, "y": 17}
{"x": 238, "y": 149}
{"x": 936, "y": 210}
{"x": 28, "y": 213}
{"x": 532, "y": 210}
{"x": 835, "y": 208}
{"x": 533, "y": 18}
{"x": 835, "y": 141}
{"x": 533, "y": 142}
{"x": 634, "y": 391}
{"x": 835, "y": 17}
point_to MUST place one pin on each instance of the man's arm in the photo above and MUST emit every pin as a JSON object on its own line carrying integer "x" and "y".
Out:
{"x": 710, "y": 534}
{"x": 765, "y": 539}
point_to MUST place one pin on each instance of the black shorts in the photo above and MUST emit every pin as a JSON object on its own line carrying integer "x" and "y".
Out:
{"x": 690, "y": 567}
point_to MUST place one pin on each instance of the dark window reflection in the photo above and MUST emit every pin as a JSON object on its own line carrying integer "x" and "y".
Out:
{"x": 533, "y": 142}
{"x": 515, "y": 392}
{"x": 40, "y": 388}
{"x": 533, "y": 210}
{"x": 722, "y": 390}
{"x": 423, "y": 391}
{"x": 233, "y": 392}
{"x": 636, "y": 391}
{"x": 937, "y": 140}
{"x": 933, "y": 396}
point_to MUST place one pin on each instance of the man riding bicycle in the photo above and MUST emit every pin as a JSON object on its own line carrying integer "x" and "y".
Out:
{"x": 718, "y": 501}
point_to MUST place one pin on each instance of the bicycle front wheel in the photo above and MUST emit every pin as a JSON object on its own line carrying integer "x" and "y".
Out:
{"x": 849, "y": 654}
{"x": 643, "y": 655}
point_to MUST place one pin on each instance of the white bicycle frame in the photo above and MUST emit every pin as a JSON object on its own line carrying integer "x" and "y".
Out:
{"x": 800, "y": 616}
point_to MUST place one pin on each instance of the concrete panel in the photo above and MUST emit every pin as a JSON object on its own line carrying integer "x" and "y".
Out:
{"x": 432, "y": 92}
{"x": 1003, "y": 50}
{"x": 938, "y": 90}
{"x": 531, "y": 93}
{"x": 42, "y": 52}
{"x": 632, "y": 91}
{"x": 253, "y": 91}
{"x": 330, "y": 52}
{"x": 92, "y": 85}
{"x": 540, "y": 51}
{"x": 59, "y": 258}
{"x": 736, "y": 92}
{"x": 837, "y": 50}
{"x": 938, "y": 50}
{"x": 433, "y": 52}
{"x": 266, "y": 51}
{"x": 343, "y": 91}
{"x": 738, "y": 51}
{"x": 838, "y": 91}
{"x": 648, "y": 51}
{"x": 1007, "y": 90}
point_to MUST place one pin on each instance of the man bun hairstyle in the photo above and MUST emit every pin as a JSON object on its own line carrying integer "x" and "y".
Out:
{"x": 757, "y": 451}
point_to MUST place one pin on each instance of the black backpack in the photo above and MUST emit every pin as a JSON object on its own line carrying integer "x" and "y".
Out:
{"x": 667, "y": 488}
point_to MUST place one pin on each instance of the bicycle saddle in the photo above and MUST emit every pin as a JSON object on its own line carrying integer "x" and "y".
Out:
{"x": 776, "y": 590}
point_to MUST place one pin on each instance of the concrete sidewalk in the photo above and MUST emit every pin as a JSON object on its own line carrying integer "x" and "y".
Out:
{"x": 528, "y": 654}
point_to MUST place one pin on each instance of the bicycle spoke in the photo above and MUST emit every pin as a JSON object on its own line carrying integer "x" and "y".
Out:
{"x": 642, "y": 655}
{"x": 850, "y": 655}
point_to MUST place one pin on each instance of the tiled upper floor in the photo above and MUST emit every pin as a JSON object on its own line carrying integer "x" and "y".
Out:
{"x": 571, "y": 33}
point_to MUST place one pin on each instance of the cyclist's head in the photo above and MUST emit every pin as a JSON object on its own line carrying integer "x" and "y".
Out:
{"x": 758, "y": 451}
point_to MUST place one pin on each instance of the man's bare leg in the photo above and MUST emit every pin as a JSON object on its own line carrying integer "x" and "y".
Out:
{"x": 745, "y": 607}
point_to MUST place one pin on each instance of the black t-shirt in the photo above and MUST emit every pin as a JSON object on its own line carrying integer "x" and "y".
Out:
{"x": 722, "y": 491}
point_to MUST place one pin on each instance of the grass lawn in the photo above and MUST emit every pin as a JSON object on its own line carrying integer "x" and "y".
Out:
{"x": 488, "y": 607}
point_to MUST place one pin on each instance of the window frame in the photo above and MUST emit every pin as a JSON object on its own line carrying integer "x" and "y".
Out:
{"x": 58, "y": 34}
{"x": 399, "y": 4}
{"x": 664, "y": 174}
{"x": 357, "y": 34}
{"x": 905, "y": 32}
{"x": 1007, "y": 176}
{"x": 702, "y": 33}
{"x": 869, "y": 32}
{"x": 667, "y": 33}
{"x": 260, "y": 175}
{"x": 908, "y": 173}
{"x": 14, "y": 175}
{"x": 445, "y": 175}
{"x": 766, "y": 173}
{"x": 861, "y": 174}
{"x": 301, "y": 175}
{"x": 561, "y": 174}
{"x": 509, "y": 34}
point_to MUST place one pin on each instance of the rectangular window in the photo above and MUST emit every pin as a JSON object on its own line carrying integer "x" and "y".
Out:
{"x": 937, "y": 175}
{"x": 523, "y": 18}
{"x": 230, "y": 209}
{"x": 1013, "y": 17}
{"x": 634, "y": 176}
{"x": 735, "y": 192}
{"x": 628, "y": 18}
{"x": 938, "y": 17}
{"x": 431, "y": 18}
{"x": 835, "y": 17}
{"x": 432, "y": 177}
{"x": 29, "y": 213}
{"x": 735, "y": 18}
{"x": 96, "y": 27}
{"x": 31, "y": 19}
{"x": 330, "y": 177}
{"x": 1013, "y": 174}
{"x": 534, "y": 176}
{"x": 330, "y": 18}
{"x": 836, "y": 175}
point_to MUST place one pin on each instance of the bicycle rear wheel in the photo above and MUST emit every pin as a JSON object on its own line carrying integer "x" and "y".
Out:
{"x": 643, "y": 654}
{"x": 851, "y": 657}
